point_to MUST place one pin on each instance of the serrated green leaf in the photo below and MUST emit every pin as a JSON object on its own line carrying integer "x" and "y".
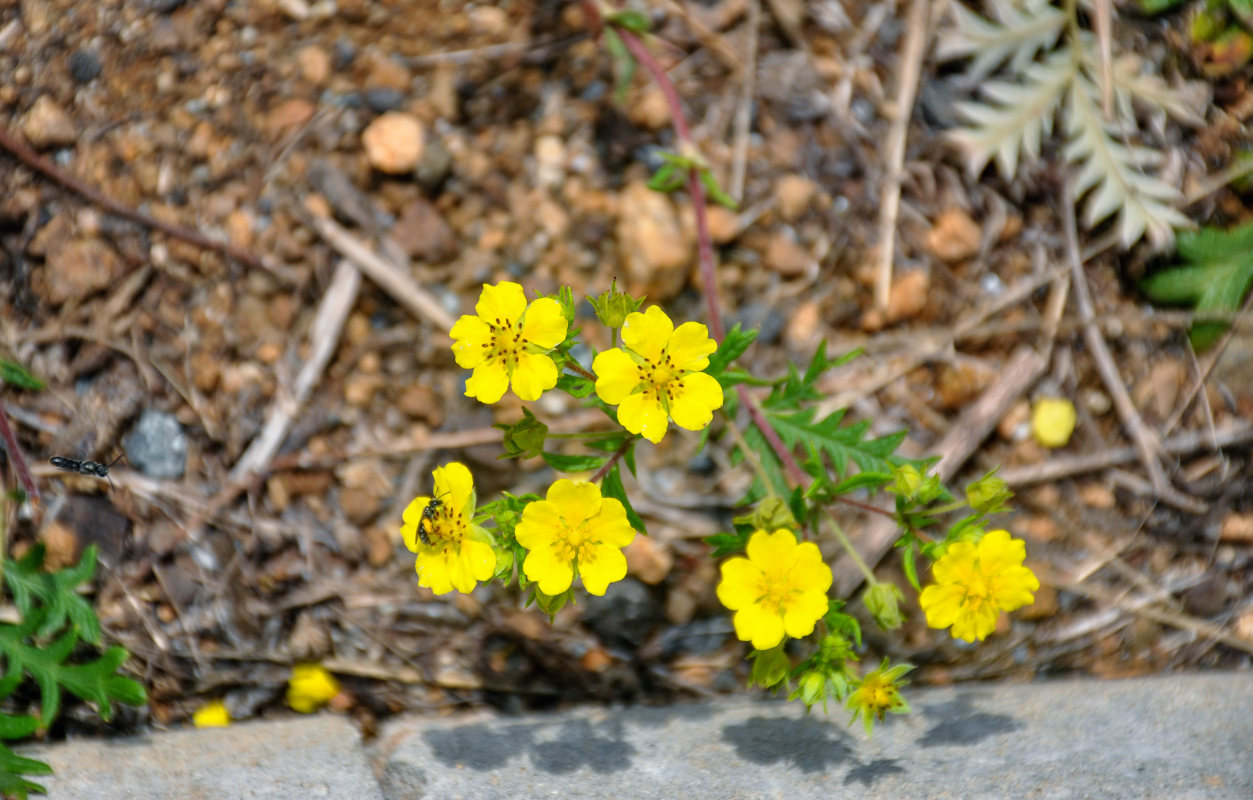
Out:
{"x": 716, "y": 194}
{"x": 15, "y": 374}
{"x": 840, "y": 445}
{"x": 727, "y": 544}
{"x": 55, "y": 591}
{"x": 1215, "y": 277}
{"x": 525, "y": 438}
{"x": 862, "y": 480}
{"x": 733, "y": 345}
{"x": 13, "y": 767}
{"x": 612, "y": 487}
{"x": 17, "y": 726}
{"x": 574, "y": 463}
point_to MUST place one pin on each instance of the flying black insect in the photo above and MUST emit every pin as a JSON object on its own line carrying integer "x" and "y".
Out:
{"x": 428, "y": 514}
{"x": 86, "y": 467}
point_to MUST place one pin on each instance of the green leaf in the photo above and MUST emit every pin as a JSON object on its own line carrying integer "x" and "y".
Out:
{"x": 17, "y": 727}
{"x": 574, "y": 463}
{"x": 862, "y": 480}
{"x": 13, "y": 767}
{"x": 576, "y": 386}
{"x": 733, "y": 345}
{"x": 839, "y": 444}
{"x": 55, "y": 591}
{"x": 15, "y": 374}
{"x": 728, "y": 544}
{"x": 632, "y": 20}
{"x": 716, "y": 194}
{"x": 612, "y": 487}
{"x": 525, "y": 438}
{"x": 1215, "y": 277}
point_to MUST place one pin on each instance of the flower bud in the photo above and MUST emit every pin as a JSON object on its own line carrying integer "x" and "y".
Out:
{"x": 770, "y": 667}
{"x": 883, "y": 602}
{"x": 907, "y": 480}
{"x": 612, "y": 307}
{"x": 988, "y": 494}
{"x": 771, "y": 514}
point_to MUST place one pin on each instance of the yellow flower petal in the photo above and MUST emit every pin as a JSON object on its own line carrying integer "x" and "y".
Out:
{"x": 779, "y": 589}
{"x": 454, "y": 486}
{"x": 489, "y": 382}
{"x": 539, "y": 519}
{"x": 310, "y": 688}
{"x": 211, "y": 715}
{"x": 617, "y": 375}
{"x": 1053, "y": 421}
{"x": 502, "y": 304}
{"x": 578, "y": 502}
{"x": 695, "y": 397}
{"x": 554, "y": 575}
{"x": 534, "y": 375}
{"x": 471, "y": 339}
{"x": 642, "y": 413}
{"x": 690, "y": 347}
{"x": 544, "y": 325}
{"x": 974, "y": 583}
{"x": 608, "y": 566}
{"x": 647, "y": 334}
{"x": 411, "y": 517}
{"x": 610, "y": 526}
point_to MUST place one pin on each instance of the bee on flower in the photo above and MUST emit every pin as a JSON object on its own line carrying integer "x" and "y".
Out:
{"x": 508, "y": 343}
{"x": 658, "y": 375}
{"x": 974, "y": 583}
{"x": 452, "y": 552}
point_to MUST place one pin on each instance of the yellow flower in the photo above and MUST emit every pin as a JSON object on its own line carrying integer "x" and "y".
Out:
{"x": 456, "y": 554}
{"x": 658, "y": 377}
{"x": 574, "y": 531}
{"x": 211, "y": 715}
{"x": 508, "y": 342}
{"x": 310, "y": 688}
{"x": 1052, "y": 421}
{"x": 879, "y": 694}
{"x": 974, "y": 583}
{"x": 780, "y": 588}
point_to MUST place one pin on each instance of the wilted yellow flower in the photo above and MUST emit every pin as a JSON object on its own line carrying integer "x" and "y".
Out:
{"x": 658, "y": 376}
{"x": 779, "y": 589}
{"x": 974, "y": 583}
{"x": 211, "y": 715}
{"x": 1052, "y": 421}
{"x": 574, "y": 531}
{"x": 310, "y": 688}
{"x": 457, "y": 553}
{"x": 879, "y": 694}
{"x": 508, "y": 343}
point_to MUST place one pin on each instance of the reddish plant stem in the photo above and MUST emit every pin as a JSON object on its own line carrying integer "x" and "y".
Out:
{"x": 15, "y": 455}
{"x": 709, "y": 278}
{"x": 30, "y": 158}
{"x": 600, "y": 474}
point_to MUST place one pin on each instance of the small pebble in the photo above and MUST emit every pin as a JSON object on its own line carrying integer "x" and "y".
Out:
{"x": 393, "y": 142}
{"x": 384, "y": 99}
{"x": 157, "y": 446}
{"x": 84, "y": 65}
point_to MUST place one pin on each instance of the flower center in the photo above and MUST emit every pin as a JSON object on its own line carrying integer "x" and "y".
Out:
{"x": 506, "y": 342}
{"x": 775, "y": 592}
{"x": 447, "y": 525}
{"x": 659, "y": 377}
{"x": 979, "y": 593}
{"x": 875, "y": 695}
{"x": 572, "y": 543}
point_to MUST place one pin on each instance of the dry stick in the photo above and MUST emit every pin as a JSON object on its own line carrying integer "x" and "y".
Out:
{"x": 709, "y": 38}
{"x": 744, "y": 111}
{"x": 1182, "y": 444}
{"x": 30, "y": 158}
{"x": 338, "y": 301}
{"x": 15, "y": 455}
{"x": 1146, "y": 441}
{"x": 972, "y": 427}
{"x": 1211, "y": 361}
{"x": 390, "y": 277}
{"x": 910, "y": 69}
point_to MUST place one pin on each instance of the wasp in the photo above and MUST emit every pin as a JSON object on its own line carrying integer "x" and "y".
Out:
{"x": 428, "y": 515}
{"x": 86, "y": 467}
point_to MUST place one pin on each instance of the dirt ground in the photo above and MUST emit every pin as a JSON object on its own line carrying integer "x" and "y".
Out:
{"x": 247, "y": 122}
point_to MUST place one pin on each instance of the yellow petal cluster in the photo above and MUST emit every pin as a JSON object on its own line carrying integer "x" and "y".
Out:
{"x": 658, "y": 376}
{"x": 1052, "y": 421}
{"x": 574, "y": 531}
{"x": 310, "y": 688}
{"x": 211, "y": 715}
{"x": 508, "y": 343}
{"x": 779, "y": 589}
{"x": 974, "y": 583}
{"x": 460, "y": 553}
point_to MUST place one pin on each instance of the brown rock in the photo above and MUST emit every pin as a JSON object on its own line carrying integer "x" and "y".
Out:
{"x": 378, "y": 546}
{"x": 1016, "y": 424}
{"x": 1045, "y": 604}
{"x": 794, "y": 194}
{"x": 1156, "y": 393}
{"x": 358, "y": 505}
{"x": 421, "y": 402}
{"x": 724, "y": 224}
{"x": 386, "y": 73}
{"x": 648, "y": 559}
{"x": 61, "y": 545}
{"x": 786, "y": 257}
{"x": 1237, "y": 528}
{"x": 287, "y": 116}
{"x": 954, "y": 236}
{"x": 314, "y": 64}
{"x": 909, "y": 295}
{"x": 802, "y": 326}
{"x": 47, "y": 125}
{"x": 78, "y": 268}
{"x": 423, "y": 234}
{"x": 959, "y": 381}
{"x": 651, "y": 245}
{"x": 1097, "y": 495}
{"x": 393, "y": 142}
{"x": 489, "y": 20}
{"x": 650, "y": 109}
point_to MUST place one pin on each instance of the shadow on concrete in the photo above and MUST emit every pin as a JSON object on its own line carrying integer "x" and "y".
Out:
{"x": 577, "y": 743}
{"x": 808, "y": 744}
{"x": 869, "y": 774}
{"x": 960, "y": 724}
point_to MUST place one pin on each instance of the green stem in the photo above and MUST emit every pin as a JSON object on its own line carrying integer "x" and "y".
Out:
{"x": 852, "y": 552}
{"x": 600, "y": 474}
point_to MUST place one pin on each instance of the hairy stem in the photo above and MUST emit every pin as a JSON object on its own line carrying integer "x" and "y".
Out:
{"x": 15, "y": 455}
{"x": 600, "y": 474}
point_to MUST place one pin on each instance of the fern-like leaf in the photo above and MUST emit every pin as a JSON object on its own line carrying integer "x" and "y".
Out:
{"x": 13, "y": 767}
{"x": 1022, "y": 33}
{"x": 1215, "y": 275}
{"x": 1117, "y": 174}
{"x": 1019, "y": 116}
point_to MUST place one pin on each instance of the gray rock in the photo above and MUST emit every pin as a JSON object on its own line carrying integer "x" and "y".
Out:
{"x": 84, "y": 65}
{"x": 306, "y": 758}
{"x": 1183, "y": 737}
{"x": 157, "y": 446}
